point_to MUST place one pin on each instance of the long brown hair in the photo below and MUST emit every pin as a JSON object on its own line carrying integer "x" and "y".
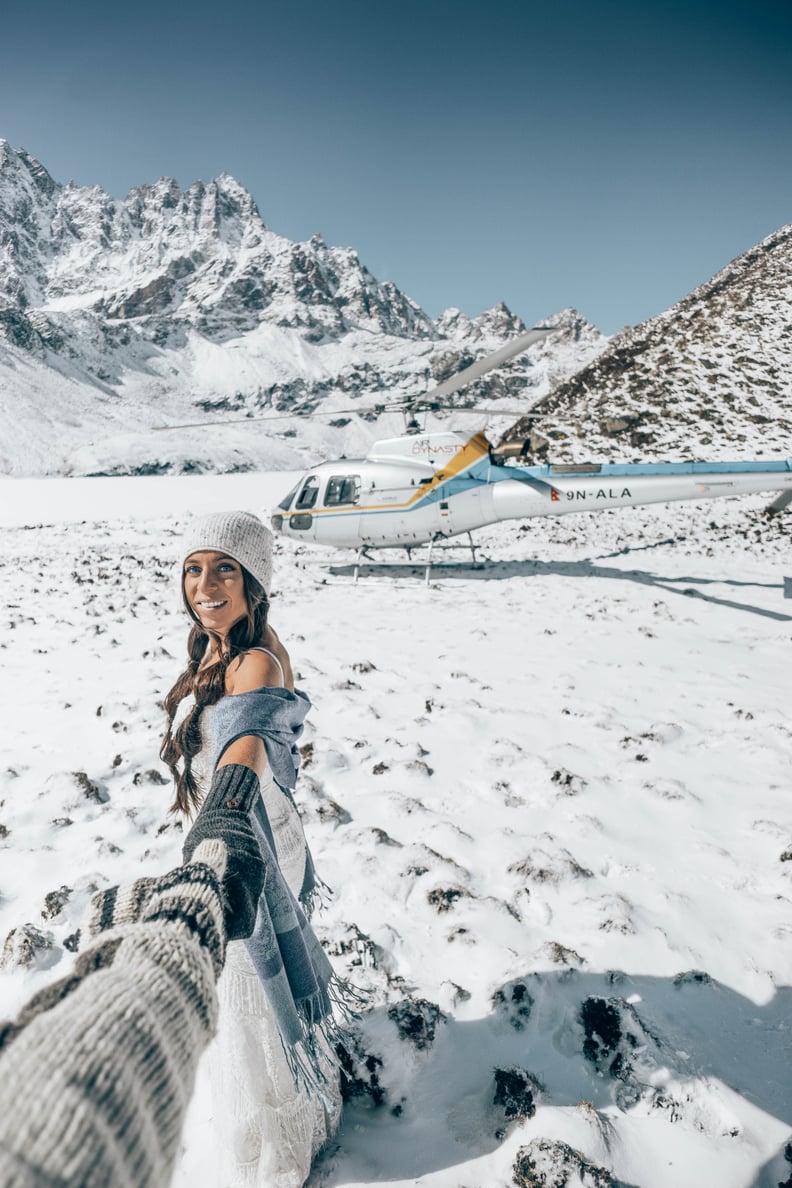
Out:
{"x": 207, "y": 685}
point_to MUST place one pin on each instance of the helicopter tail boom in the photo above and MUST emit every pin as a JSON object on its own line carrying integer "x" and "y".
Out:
{"x": 560, "y": 490}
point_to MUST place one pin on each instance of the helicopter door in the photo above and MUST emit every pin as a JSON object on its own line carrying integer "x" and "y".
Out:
{"x": 342, "y": 495}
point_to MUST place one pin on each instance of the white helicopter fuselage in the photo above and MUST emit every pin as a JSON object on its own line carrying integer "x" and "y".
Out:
{"x": 415, "y": 489}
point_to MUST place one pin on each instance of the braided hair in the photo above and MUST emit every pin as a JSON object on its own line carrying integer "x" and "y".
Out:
{"x": 207, "y": 686}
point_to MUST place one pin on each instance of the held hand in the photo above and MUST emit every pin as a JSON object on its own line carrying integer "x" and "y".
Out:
{"x": 224, "y": 816}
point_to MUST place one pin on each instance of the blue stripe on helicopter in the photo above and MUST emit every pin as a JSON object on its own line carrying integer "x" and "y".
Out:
{"x": 483, "y": 471}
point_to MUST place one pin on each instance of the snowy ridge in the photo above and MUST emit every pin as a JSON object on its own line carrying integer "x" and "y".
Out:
{"x": 711, "y": 374}
{"x": 173, "y": 306}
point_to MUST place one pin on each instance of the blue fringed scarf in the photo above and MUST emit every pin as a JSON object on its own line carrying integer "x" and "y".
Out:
{"x": 294, "y": 970}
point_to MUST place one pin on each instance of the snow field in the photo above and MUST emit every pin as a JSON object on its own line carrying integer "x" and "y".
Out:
{"x": 559, "y": 779}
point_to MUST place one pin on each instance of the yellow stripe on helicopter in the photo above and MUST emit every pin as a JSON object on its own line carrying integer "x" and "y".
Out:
{"x": 471, "y": 452}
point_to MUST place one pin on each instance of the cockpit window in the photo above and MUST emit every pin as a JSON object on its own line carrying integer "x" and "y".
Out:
{"x": 307, "y": 496}
{"x": 342, "y": 488}
{"x": 286, "y": 503}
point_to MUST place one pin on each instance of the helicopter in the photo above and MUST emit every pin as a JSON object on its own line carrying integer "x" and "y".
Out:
{"x": 423, "y": 488}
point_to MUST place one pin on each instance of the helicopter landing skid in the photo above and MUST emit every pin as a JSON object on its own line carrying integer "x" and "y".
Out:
{"x": 364, "y": 553}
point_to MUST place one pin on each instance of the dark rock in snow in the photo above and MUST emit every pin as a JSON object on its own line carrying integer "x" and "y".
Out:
{"x": 693, "y": 977}
{"x": 616, "y": 1038}
{"x": 356, "y": 945}
{"x": 55, "y": 902}
{"x": 25, "y": 946}
{"x": 601, "y": 1019}
{"x": 72, "y": 941}
{"x": 546, "y": 1164}
{"x": 570, "y": 784}
{"x": 152, "y": 776}
{"x": 416, "y": 1020}
{"x": 444, "y": 898}
{"x": 359, "y": 1072}
{"x": 561, "y": 955}
{"x": 90, "y": 790}
{"x": 514, "y": 1001}
{"x": 514, "y": 1091}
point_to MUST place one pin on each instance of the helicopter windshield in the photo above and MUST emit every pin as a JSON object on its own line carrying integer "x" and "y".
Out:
{"x": 286, "y": 502}
{"x": 307, "y": 496}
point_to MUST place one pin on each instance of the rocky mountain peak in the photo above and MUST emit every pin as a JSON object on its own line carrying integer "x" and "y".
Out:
{"x": 710, "y": 374}
{"x": 181, "y": 302}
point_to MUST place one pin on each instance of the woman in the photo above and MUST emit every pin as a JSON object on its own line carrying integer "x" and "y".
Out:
{"x": 274, "y": 1080}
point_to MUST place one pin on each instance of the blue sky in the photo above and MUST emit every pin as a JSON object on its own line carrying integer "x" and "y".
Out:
{"x": 608, "y": 156}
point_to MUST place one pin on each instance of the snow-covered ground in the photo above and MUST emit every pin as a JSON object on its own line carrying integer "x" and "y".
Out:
{"x": 551, "y": 794}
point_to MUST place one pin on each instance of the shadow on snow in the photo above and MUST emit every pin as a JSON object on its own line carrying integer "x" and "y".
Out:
{"x": 687, "y": 1043}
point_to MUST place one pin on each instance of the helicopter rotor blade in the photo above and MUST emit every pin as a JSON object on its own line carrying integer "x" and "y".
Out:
{"x": 482, "y": 366}
{"x": 421, "y": 403}
{"x": 488, "y": 412}
{"x": 390, "y": 406}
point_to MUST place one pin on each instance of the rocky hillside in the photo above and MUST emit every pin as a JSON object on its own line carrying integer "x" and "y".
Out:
{"x": 710, "y": 378}
{"x": 175, "y": 306}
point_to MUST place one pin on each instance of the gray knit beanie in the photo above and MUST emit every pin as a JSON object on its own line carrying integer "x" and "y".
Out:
{"x": 240, "y": 535}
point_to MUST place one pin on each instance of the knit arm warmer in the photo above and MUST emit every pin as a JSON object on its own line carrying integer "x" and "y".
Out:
{"x": 96, "y": 1076}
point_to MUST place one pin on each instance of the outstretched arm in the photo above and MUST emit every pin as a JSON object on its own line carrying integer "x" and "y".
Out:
{"x": 97, "y": 1071}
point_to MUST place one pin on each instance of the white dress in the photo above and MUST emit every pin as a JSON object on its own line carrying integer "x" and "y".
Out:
{"x": 268, "y": 1130}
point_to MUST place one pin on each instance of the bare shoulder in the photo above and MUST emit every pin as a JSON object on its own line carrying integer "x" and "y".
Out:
{"x": 251, "y": 670}
{"x": 256, "y": 669}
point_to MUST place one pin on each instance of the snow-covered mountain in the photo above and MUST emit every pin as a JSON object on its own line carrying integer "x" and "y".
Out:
{"x": 711, "y": 375}
{"x": 173, "y": 306}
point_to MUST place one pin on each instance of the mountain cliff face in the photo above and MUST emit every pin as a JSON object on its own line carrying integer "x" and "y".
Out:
{"x": 172, "y": 306}
{"x": 710, "y": 377}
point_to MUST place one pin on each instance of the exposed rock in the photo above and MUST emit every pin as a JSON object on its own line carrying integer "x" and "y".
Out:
{"x": 383, "y": 838}
{"x": 444, "y": 898}
{"x": 601, "y": 1019}
{"x": 152, "y": 776}
{"x": 561, "y": 955}
{"x": 543, "y": 867}
{"x": 416, "y": 1020}
{"x": 515, "y": 1090}
{"x": 72, "y": 941}
{"x": 693, "y": 977}
{"x": 93, "y": 290}
{"x": 614, "y": 1035}
{"x": 360, "y": 1072}
{"x": 357, "y": 945}
{"x": 90, "y": 789}
{"x": 514, "y": 1001}
{"x": 701, "y": 380}
{"x": 25, "y": 946}
{"x": 546, "y": 1164}
{"x": 569, "y": 783}
{"x": 55, "y": 902}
